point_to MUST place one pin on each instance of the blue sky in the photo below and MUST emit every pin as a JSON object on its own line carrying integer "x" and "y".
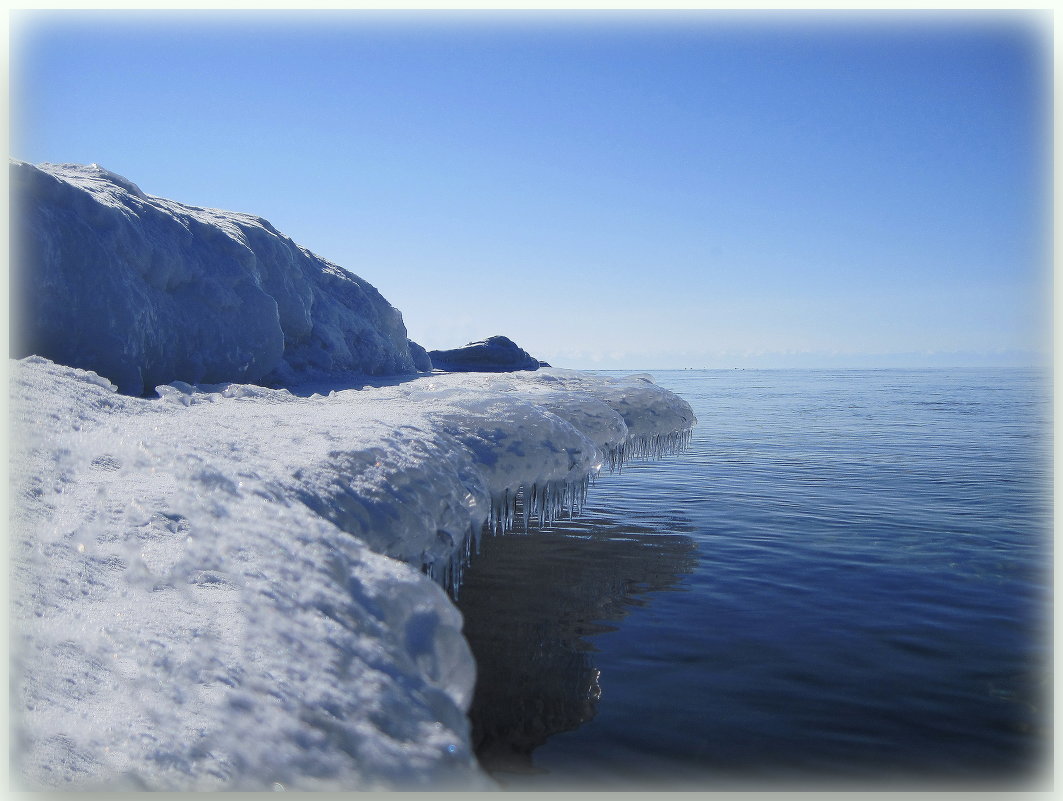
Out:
{"x": 609, "y": 191}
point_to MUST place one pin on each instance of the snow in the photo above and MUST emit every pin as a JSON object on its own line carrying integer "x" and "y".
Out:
{"x": 146, "y": 290}
{"x": 243, "y": 580}
{"x": 223, "y": 587}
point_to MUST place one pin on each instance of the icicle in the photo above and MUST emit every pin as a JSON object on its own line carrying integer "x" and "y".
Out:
{"x": 449, "y": 571}
{"x": 654, "y": 446}
{"x": 544, "y": 504}
{"x": 543, "y": 501}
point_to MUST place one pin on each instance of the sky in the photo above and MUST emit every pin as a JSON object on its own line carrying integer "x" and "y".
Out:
{"x": 609, "y": 190}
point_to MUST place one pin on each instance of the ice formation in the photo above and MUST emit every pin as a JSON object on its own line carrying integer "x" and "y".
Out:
{"x": 146, "y": 290}
{"x": 224, "y": 587}
{"x": 227, "y": 586}
{"x": 497, "y": 354}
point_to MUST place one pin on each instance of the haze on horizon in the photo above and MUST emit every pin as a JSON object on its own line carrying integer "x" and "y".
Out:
{"x": 609, "y": 190}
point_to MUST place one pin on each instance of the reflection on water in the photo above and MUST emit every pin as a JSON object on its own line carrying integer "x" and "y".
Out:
{"x": 868, "y": 607}
{"x": 530, "y": 602}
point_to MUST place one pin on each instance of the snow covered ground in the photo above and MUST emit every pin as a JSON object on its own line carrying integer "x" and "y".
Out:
{"x": 232, "y": 586}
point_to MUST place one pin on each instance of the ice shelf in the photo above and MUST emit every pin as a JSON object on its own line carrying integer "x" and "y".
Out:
{"x": 231, "y": 586}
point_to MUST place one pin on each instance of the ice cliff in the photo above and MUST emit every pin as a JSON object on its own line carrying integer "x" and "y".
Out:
{"x": 226, "y": 586}
{"x": 146, "y": 290}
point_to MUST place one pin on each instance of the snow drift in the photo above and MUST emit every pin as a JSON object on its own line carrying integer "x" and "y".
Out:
{"x": 146, "y": 290}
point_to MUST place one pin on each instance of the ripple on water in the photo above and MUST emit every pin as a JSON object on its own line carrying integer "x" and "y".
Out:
{"x": 846, "y": 577}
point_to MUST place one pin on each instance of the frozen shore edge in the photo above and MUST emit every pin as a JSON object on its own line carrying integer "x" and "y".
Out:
{"x": 232, "y": 587}
{"x": 227, "y": 586}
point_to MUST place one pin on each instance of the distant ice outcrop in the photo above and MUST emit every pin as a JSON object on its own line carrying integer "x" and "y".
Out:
{"x": 497, "y": 354}
{"x": 146, "y": 291}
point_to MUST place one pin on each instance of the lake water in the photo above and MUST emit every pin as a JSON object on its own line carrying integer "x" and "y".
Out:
{"x": 845, "y": 581}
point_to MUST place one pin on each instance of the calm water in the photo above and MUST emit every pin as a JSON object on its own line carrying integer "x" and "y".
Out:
{"x": 845, "y": 579}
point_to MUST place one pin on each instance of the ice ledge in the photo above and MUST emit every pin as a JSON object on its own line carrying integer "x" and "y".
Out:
{"x": 222, "y": 588}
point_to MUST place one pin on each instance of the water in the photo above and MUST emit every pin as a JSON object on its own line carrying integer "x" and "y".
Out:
{"x": 845, "y": 581}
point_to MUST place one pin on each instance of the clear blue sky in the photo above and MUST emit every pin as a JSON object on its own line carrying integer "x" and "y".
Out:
{"x": 609, "y": 191}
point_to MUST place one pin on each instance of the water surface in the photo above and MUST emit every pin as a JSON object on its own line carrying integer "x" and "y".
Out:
{"x": 845, "y": 579}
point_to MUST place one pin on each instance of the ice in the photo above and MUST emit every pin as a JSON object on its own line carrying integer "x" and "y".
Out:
{"x": 146, "y": 290}
{"x": 656, "y": 422}
{"x": 243, "y": 579}
{"x": 183, "y": 621}
{"x": 224, "y": 587}
{"x": 588, "y": 421}
{"x": 497, "y": 354}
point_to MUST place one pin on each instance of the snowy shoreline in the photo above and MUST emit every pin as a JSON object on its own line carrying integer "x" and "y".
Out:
{"x": 228, "y": 586}
{"x": 222, "y": 588}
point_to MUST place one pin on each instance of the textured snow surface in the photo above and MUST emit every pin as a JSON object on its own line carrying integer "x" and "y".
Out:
{"x": 224, "y": 587}
{"x": 145, "y": 290}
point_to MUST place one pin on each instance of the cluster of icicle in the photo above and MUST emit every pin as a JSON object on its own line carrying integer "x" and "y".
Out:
{"x": 654, "y": 446}
{"x": 449, "y": 573}
{"x": 540, "y": 505}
